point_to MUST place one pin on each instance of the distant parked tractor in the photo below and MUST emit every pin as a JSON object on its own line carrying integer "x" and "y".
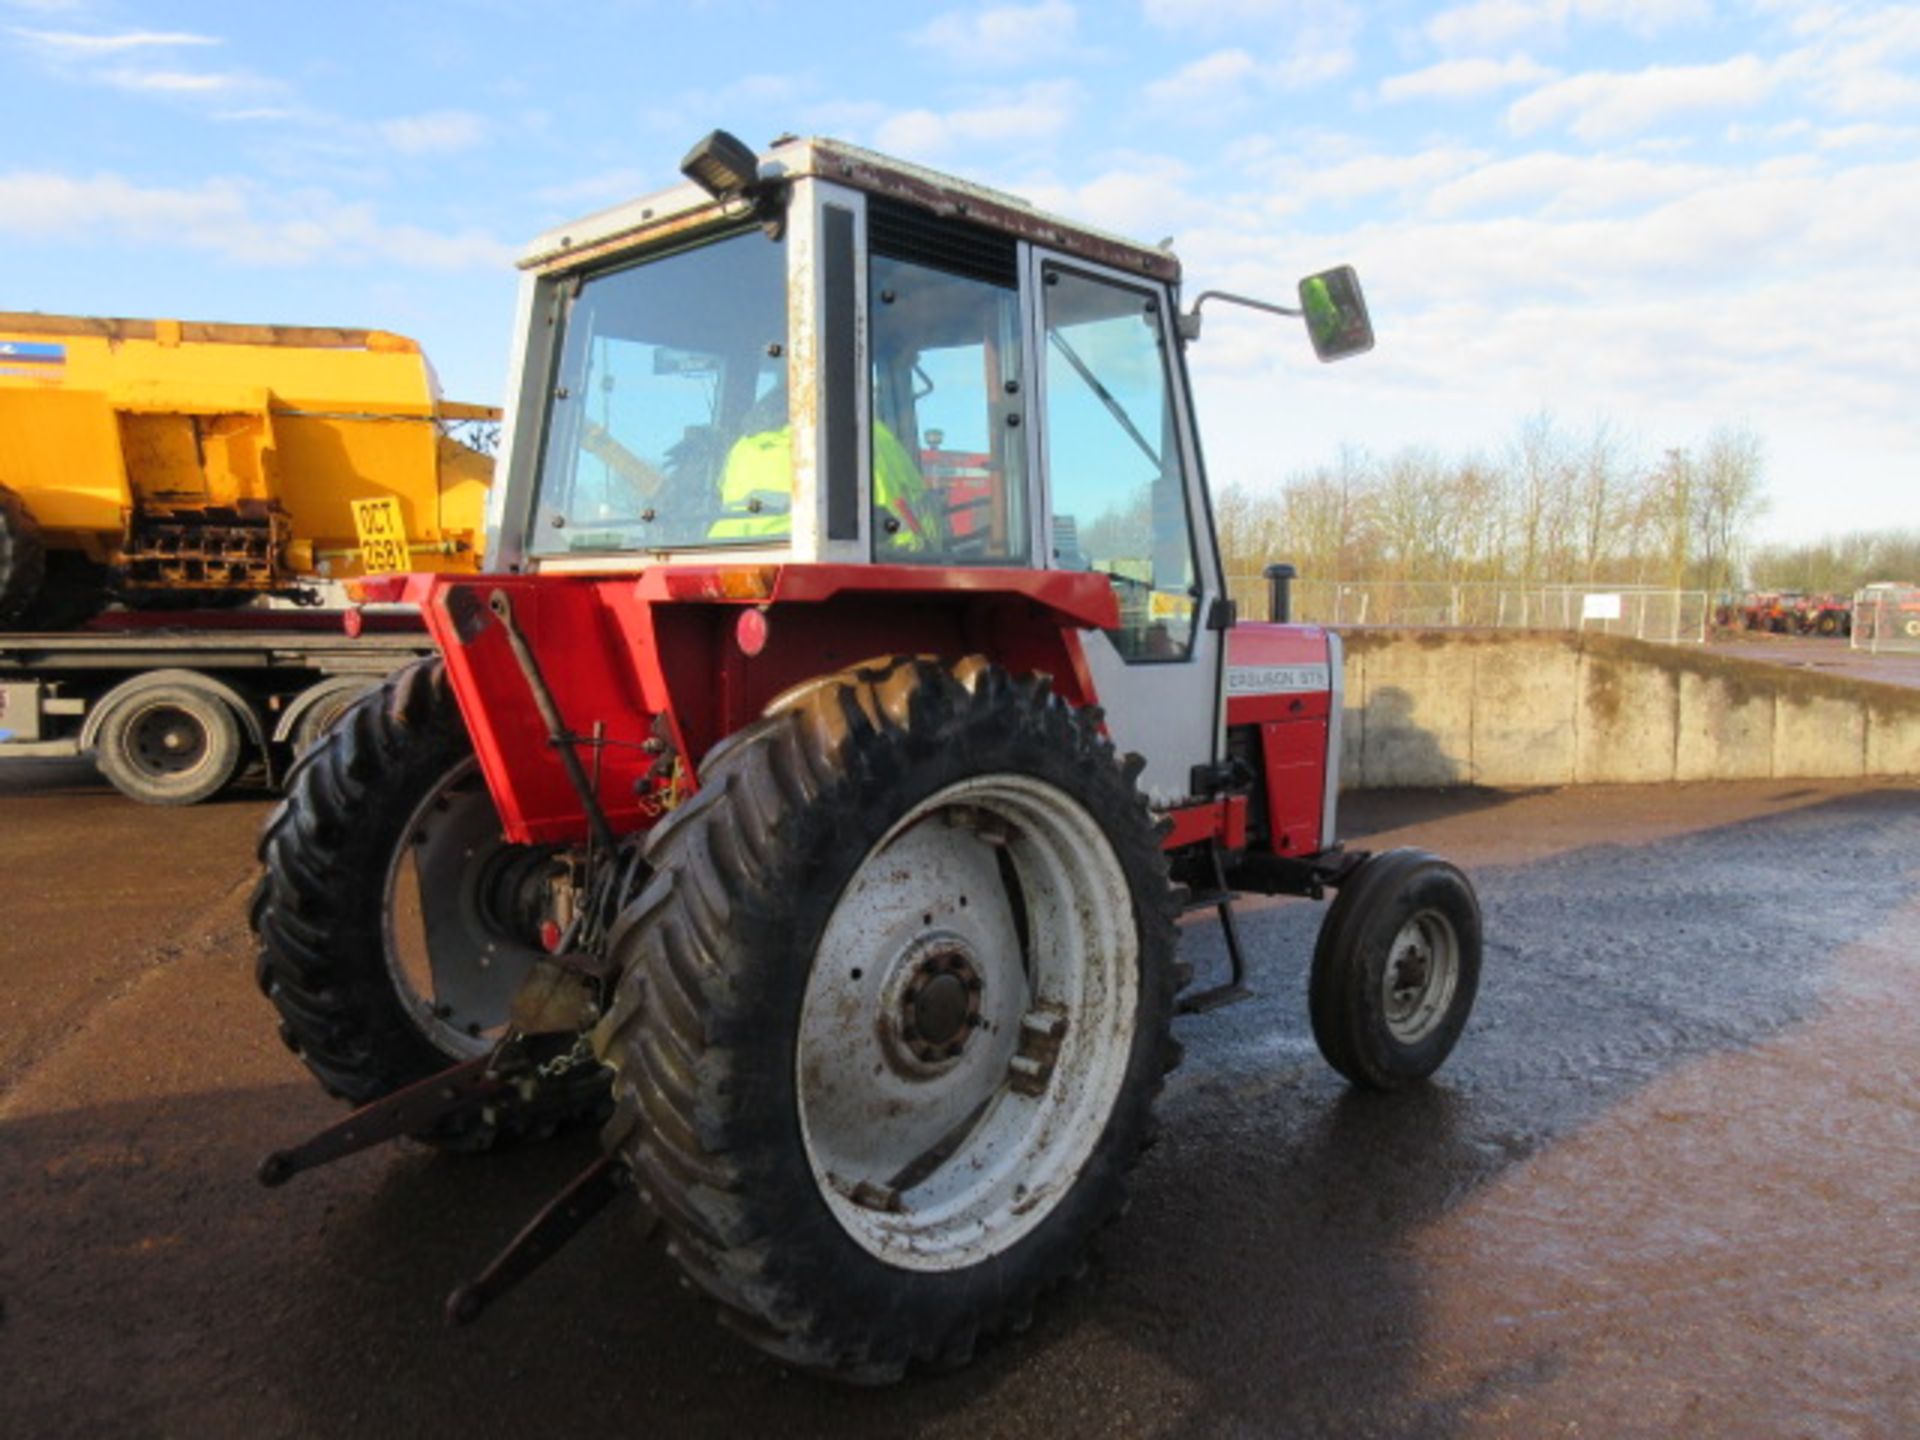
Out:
{"x": 810, "y": 788}
{"x": 1792, "y": 612}
{"x": 185, "y": 464}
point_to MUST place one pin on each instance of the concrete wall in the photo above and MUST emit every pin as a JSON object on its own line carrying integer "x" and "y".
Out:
{"x": 1518, "y": 708}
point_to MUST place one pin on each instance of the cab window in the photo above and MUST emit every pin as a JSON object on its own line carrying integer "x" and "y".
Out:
{"x": 949, "y": 478}
{"x": 1117, "y": 485}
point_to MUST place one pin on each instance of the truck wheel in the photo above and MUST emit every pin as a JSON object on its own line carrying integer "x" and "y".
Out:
{"x": 1395, "y": 969}
{"x": 894, "y": 1009}
{"x": 73, "y": 591}
{"x": 23, "y": 559}
{"x": 331, "y": 699}
{"x": 169, "y": 744}
{"x": 394, "y": 923}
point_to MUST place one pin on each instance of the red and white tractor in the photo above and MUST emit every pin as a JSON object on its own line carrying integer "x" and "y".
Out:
{"x": 815, "y": 812}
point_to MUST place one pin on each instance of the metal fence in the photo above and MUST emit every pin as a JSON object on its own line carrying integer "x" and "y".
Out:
{"x": 1887, "y": 618}
{"x": 1642, "y": 612}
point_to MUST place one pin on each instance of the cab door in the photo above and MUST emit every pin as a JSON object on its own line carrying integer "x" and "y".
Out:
{"x": 1123, "y": 496}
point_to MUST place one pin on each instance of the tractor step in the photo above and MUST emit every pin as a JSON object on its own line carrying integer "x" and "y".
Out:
{"x": 558, "y": 1221}
{"x": 1235, "y": 989}
{"x": 406, "y": 1111}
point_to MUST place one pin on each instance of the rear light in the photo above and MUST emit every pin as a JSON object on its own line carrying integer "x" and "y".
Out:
{"x": 353, "y": 622}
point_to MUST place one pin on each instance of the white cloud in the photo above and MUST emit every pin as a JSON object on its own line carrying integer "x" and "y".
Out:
{"x": 1142, "y": 195}
{"x": 1495, "y": 24}
{"x": 1216, "y": 85}
{"x": 1036, "y": 111}
{"x": 1206, "y": 81}
{"x": 236, "y": 220}
{"x": 1861, "y": 62}
{"x": 1001, "y": 35}
{"x": 1604, "y": 105}
{"x": 439, "y": 132}
{"x": 66, "y": 42}
{"x": 1191, "y": 14}
{"x": 1552, "y": 185}
{"x": 1302, "y": 42}
{"x": 1464, "y": 79}
{"x": 175, "y": 82}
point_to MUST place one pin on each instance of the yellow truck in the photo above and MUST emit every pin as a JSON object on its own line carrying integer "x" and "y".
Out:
{"x": 195, "y": 465}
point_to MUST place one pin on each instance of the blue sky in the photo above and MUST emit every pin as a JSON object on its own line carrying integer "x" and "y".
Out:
{"x": 1675, "y": 214}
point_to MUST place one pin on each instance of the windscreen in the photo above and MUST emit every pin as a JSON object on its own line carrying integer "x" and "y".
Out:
{"x": 668, "y": 425}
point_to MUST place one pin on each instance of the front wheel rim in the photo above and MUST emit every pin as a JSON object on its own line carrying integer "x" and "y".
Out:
{"x": 968, "y": 1023}
{"x": 1421, "y": 975}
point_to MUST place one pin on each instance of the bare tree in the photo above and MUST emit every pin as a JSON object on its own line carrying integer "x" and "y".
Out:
{"x": 1727, "y": 500}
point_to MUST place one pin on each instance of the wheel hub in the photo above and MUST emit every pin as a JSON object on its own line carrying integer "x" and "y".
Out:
{"x": 940, "y": 1006}
{"x": 1422, "y": 969}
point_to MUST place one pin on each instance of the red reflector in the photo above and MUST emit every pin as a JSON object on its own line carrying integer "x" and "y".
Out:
{"x": 353, "y": 622}
{"x": 549, "y": 936}
{"x": 751, "y": 631}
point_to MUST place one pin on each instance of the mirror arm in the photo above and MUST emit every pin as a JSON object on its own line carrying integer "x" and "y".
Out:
{"x": 1190, "y": 322}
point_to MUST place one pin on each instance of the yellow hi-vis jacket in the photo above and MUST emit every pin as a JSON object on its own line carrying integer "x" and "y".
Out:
{"x": 756, "y": 492}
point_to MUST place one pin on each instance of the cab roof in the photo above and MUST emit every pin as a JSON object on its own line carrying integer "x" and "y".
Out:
{"x": 687, "y": 207}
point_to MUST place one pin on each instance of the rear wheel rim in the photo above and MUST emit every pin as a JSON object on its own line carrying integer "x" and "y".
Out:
{"x": 456, "y": 950}
{"x": 968, "y": 1023}
{"x": 1421, "y": 975}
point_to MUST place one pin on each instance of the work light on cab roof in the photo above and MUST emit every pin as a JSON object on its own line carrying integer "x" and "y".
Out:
{"x": 853, "y": 704}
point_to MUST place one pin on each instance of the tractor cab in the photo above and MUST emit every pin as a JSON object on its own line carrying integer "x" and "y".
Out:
{"x": 826, "y": 357}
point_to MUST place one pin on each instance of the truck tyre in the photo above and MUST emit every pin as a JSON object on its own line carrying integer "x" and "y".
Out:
{"x": 394, "y": 923}
{"x": 1395, "y": 969}
{"x": 73, "y": 591}
{"x": 174, "y": 744}
{"x": 23, "y": 558}
{"x": 331, "y": 698}
{"x": 894, "y": 1008}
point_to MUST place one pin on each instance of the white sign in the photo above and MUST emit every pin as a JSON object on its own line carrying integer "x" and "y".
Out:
{"x": 1600, "y": 607}
{"x": 1276, "y": 679}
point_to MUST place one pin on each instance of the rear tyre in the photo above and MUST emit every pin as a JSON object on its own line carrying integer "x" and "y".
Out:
{"x": 23, "y": 558}
{"x": 893, "y": 1012}
{"x": 169, "y": 744}
{"x": 394, "y": 923}
{"x": 1395, "y": 969}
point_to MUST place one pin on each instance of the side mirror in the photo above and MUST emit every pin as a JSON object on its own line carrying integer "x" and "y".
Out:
{"x": 1336, "y": 313}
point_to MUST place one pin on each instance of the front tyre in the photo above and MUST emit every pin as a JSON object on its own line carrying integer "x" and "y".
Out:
{"x": 893, "y": 1013}
{"x": 1395, "y": 969}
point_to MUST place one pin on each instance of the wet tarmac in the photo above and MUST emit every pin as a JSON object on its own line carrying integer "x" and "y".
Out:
{"x": 1831, "y": 655}
{"x": 1668, "y": 1185}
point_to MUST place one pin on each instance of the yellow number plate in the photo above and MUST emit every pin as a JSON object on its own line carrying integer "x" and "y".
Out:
{"x": 383, "y": 536}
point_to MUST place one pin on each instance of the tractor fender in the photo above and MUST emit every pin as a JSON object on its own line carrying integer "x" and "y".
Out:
{"x": 159, "y": 679}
